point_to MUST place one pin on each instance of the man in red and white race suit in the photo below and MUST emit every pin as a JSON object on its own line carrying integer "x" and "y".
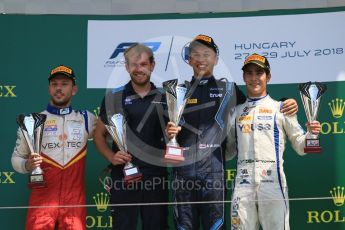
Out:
{"x": 62, "y": 159}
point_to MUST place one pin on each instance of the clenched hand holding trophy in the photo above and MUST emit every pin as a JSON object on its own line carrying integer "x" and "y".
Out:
{"x": 117, "y": 130}
{"x": 32, "y": 126}
{"x": 311, "y": 94}
{"x": 176, "y": 97}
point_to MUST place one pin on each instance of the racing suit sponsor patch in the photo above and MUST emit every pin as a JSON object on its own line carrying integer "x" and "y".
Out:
{"x": 244, "y": 181}
{"x": 75, "y": 131}
{"x": 50, "y": 127}
{"x": 266, "y": 118}
{"x": 235, "y": 220}
{"x": 213, "y": 95}
{"x": 204, "y": 146}
{"x": 265, "y": 110}
{"x": 128, "y": 101}
{"x": 192, "y": 101}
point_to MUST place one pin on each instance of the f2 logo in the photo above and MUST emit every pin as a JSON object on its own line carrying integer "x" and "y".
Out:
{"x": 123, "y": 46}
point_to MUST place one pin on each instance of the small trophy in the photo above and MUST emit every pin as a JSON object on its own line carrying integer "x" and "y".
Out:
{"x": 311, "y": 94}
{"x": 32, "y": 126}
{"x": 117, "y": 130}
{"x": 176, "y": 97}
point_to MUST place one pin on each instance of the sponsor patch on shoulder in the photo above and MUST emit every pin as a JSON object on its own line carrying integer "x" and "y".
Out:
{"x": 192, "y": 101}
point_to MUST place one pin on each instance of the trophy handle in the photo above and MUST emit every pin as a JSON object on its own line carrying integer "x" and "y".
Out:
{"x": 32, "y": 127}
{"x": 311, "y": 94}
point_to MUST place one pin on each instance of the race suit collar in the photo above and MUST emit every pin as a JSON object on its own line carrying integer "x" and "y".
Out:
{"x": 254, "y": 101}
{"x": 59, "y": 111}
{"x": 250, "y": 99}
{"x": 203, "y": 80}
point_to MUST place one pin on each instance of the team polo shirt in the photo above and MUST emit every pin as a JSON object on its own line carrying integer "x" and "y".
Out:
{"x": 145, "y": 126}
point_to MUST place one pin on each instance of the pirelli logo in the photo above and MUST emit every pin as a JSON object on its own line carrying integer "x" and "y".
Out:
{"x": 204, "y": 38}
{"x": 255, "y": 58}
{"x": 192, "y": 101}
{"x": 61, "y": 69}
{"x": 245, "y": 118}
{"x": 51, "y": 122}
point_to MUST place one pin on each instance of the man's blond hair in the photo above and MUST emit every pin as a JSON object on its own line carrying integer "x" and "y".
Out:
{"x": 138, "y": 49}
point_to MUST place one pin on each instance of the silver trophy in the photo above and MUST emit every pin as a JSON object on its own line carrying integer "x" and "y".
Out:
{"x": 176, "y": 97}
{"x": 311, "y": 94}
{"x": 32, "y": 126}
{"x": 117, "y": 130}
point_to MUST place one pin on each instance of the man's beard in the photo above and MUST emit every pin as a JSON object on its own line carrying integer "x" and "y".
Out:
{"x": 140, "y": 83}
{"x": 63, "y": 103}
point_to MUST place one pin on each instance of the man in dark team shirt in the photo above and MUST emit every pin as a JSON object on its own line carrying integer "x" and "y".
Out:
{"x": 203, "y": 136}
{"x": 141, "y": 104}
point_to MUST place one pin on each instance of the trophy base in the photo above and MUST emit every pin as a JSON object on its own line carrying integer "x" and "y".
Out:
{"x": 312, "y": 145}
{"x": 174, "y": 155}
{"x": 312, "y": 149}
{"x": 36, "y": 181}
{"x": 132, "y": 174}
{"x": 133, "y": 178}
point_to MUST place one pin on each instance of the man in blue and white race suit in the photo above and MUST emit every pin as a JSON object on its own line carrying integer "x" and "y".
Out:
{"x": 261, "y": 131}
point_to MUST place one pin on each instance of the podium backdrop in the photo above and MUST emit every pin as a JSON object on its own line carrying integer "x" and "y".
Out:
{"x": 31, "y": 45}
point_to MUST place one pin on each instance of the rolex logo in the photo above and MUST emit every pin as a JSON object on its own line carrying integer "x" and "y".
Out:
{"x": 101, "y": 201}
{"x": 338, "y": 195}
{"x": 337, "y": 107}
{"x": 7, "y": 91}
